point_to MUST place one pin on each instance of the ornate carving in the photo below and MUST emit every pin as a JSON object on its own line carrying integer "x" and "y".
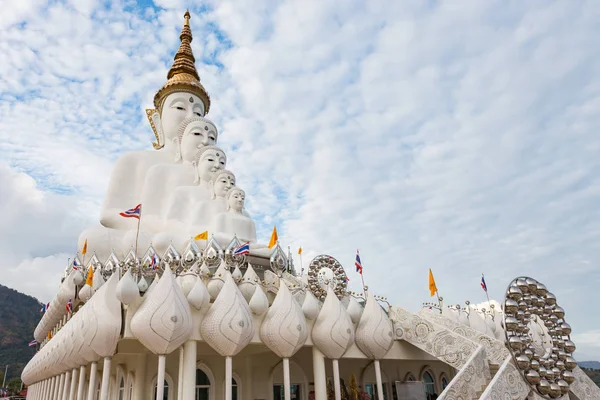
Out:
{"x": 531, "y": 314}
{"x": 164, "y": 320}
{"x": 434, "y": 339}
{"x": 374, "y": 331}
{"x": 333, "y": 331}
{"x": 583, "y": 387}
{"x": 323, "y": 272}
{"x": 228, "y": 325}
{"x": 284, "y": 328}
{"x": 472, "y": 377}
{"x": 507, "y": 382}
{"x": 495, "y": 349}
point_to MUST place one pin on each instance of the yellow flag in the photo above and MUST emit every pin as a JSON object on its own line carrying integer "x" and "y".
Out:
{"x": 90, "y": 277}
{"x": 49, "y": 334}
{"x": 300, "y": 250}
{"x": 84, "y": 250}
{"x": 432, "y": 287}
{"x": 201, "y": 236}
{"x": 274, "y": 237}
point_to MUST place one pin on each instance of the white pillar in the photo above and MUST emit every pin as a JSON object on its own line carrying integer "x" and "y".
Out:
{"x": 189, "y": 370}
{"x": 378, "y": 379}
{"x": 61, "y": 384}
{"x": 92, "y": 386}
{"x": 286, "y": 379}
{"x": 74, "y": 382}
{"x": 65, "y": 393}
{"x": 105, "y": 378}
{"x": 57, "y": 387}
{"x": 319, "y": 374}
{"x": 336, "y": 380}
{"x": 228, "y": 377}
{"x": 81, "y": 386}
{"x": 160, "y": 379}
{"x": 52, "y": 386}
{"x": 248, "y": 392}
{"x": 139, "y": 385}
{"x": 180, "y": 375}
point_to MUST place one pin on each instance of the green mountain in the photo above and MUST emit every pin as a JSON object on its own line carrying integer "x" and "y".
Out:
{"x": 19, "y": 315}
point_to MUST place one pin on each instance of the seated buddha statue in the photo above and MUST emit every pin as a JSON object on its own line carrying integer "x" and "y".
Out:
{"x": 196, "y": 135}
{"x": 189, "y": 212}
{"x": 233, "y": 222}
{"x": 181, "y": 97}
{"x": 210, "y": 160}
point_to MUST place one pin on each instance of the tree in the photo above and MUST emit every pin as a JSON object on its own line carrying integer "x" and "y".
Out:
{"x": 14, "y": 386}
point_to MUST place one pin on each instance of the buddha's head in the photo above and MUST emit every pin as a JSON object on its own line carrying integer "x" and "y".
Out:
{"x": 182, "y": 96}
{"x": 209, "y": 160}
{"x": 236, "y": 199}
{"x": 194, "y": 133}
{"x": 223, "y": 181}
{"x": 176, "y": 108}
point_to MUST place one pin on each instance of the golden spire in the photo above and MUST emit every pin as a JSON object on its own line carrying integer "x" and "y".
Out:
{"x": 183, "y": 75}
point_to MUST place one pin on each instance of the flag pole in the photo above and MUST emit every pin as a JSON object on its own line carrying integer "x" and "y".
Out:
{"x": 486, "y": 292}
{"x": 137, "y": 234}
{"x": 301, "y": 265}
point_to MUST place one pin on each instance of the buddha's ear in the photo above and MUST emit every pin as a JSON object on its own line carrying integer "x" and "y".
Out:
{"x": 177, "y": 143}
{"x": 156, "y": 125}
{"x": 196, "y": 172}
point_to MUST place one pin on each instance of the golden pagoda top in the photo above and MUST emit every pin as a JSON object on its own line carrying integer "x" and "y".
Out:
{"x": 183, "y": 75}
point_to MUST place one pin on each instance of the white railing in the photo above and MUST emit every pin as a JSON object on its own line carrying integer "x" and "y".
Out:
{"x": 507, "y": 381}
{"x": 583, "y": 387}
{"x": 434, "y": 339}
{"x": 494, "y": 348}
{"x": 471, "y": 378}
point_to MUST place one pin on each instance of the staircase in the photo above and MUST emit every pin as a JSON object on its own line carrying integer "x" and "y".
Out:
{"x": 485, "y": 367}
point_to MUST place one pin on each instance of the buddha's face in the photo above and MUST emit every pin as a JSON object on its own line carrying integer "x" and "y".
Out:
{"x": 236, "y": 200}
{"x": 210, "y": 162}
{"x": 196, "y": 135}
{"x": 223, "y": 183}
{"x": 177, "y": 107}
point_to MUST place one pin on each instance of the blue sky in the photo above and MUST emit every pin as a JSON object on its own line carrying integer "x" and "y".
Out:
{"x": 458, "y": 136}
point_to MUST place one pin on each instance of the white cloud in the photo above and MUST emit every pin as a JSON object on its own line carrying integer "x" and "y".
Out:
{"x": 460, "y": 137}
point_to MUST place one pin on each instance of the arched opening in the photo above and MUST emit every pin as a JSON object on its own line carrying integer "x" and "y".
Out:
{"x": 204, "y": 382}
{"x": 122, "y": 388}
{"x": 409, "y": 377}
{"x": 428, "y": 383}
{"x": 168, "y": 388}
{"x": 298, "y": 382}
{"x": 370, "y": 383}
{"x": 443, "y": 382}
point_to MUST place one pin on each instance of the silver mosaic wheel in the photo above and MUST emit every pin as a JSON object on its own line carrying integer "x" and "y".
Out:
{"x": 538, "y": 337}
{"x": 323, "y": 272}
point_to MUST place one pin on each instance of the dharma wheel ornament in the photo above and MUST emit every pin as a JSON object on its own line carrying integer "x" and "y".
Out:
{"x": 538, "y": 337}
{"x": 323, "y": 272}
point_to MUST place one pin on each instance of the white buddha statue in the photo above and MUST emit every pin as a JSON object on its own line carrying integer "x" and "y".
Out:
{"x": 195, "y": 136}
{"x": 203, "y": 212}
{"x": 210, "y": 160}
{"x": 233, "y": 222}
{"x": 181, "y": 97}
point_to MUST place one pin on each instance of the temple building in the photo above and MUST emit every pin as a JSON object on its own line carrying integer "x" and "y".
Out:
{"x": 172, "y": 297}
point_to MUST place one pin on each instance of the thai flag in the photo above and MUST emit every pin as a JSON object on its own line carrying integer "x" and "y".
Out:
{"x": 242, "y": 250}
{"x": 45, "y": 308}
{"x": 75, "y": 263}
{"x": 154, "y": 262}
{"x": 135, "y": 212}
{"x": 358, "y": 264}
{"x": 32, "y": 343}
{"x": 483, "y": 285}
{"x": 69, "y": 306}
